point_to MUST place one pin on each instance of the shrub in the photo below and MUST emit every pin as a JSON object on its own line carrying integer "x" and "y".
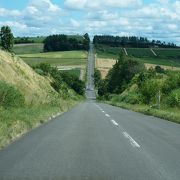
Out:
{"x": 171, "y": 83}
{"x": 97, "y": 77}
{"x": 127, "y": 97}
{"x": 122, "y": 73}
{"x": 73, "y": 82}
{"x": 39, "y": 71}
{"x": 159, "y": 69}
{"x": 10, "y": 96}
{"x": 149, "y": 90}
{"x": 173, "y": 99}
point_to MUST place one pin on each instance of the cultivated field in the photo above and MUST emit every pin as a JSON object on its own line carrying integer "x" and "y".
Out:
{"x": 28, "y": 48}
{"x": 72, "y": 61}
{"x": 166, "y": 57}
{"x": 104, "y": 65}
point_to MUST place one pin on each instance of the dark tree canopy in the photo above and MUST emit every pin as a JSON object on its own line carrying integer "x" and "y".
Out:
{"x": 6, "y": 38}
{"x": 132, "y": 41}
{"x": 61, "y": 42}
{"x": 120, "y": 76}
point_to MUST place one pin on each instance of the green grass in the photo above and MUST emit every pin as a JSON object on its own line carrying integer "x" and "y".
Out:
{"x": 140, "y": 53}
{"x": 159, "y": 61}
{"x": 167, "y": 57}
{"x": 59, "y": 54}
{"x": 63, "y": 58}
{"x": 168, "y": 53}
{"x": 17, "y": 121}
{"x": 55, "y": 61}
{"x": 170, "y": 114}
{"x": 28, "y": 48}
{"x": 75, "y": 72}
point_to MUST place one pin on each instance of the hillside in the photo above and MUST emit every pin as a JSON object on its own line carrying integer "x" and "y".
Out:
{"x": 42, "y": 102}
{"x": 34, "y": 87}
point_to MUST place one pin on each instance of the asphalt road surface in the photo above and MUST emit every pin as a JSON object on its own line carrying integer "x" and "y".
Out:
{"x": 95, "y": 141}
{"x": 90, "y": 92}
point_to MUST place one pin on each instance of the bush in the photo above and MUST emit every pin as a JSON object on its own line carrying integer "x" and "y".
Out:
{"x": 149, "y": 90}
{"x": 39, "y": 71}
{"x": 73, "y": 82}
{"x": 159, "y": 69}
{"x": 173, "y": 99}
{"x": 127, "y": 97}
{"x": 171, "y": 83}
{"x": 10, "y": 96}
{"x": 122, "y": 73}
{"x": 97, "y": 77}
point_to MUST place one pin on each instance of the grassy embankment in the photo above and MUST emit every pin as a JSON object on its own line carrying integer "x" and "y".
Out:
{"x": 170, "y": 114}
{"x": 41, "y": 101}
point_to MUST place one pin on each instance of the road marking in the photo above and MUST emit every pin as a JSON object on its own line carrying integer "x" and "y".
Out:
{"x": 114, "y": 122}
{"x": 103, "y": 111}
{"x": 132, "y": 141}
{"x": 107, "y": 115}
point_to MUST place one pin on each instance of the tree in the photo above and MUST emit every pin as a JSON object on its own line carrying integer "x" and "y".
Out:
{"x": 6, "y": 38}
{"x": 86, "y": 41}
{"x": 122, "y": 73}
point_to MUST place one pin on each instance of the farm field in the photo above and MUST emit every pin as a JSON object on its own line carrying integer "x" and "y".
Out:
{"x": 58, "y": 54}
{"x": 28, "y": 48}
{"x": 75, "y": 72}
{"x": 104, "y": 65}
{"x": 166, "y": 57}
{"x": 63, "y": 58}
{"x": 74, "y": 62}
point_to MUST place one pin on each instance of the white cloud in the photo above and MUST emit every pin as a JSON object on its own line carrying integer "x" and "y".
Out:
{"x": 99, "y": 4}
{"x": 160, "y": 19}
{"x": 6, "y": 13}
{"x": 74, "y": 23}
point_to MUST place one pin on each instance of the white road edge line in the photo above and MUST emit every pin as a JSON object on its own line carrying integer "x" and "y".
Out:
{"x": 132, "y": 141}
{"x": 114, "y": 122}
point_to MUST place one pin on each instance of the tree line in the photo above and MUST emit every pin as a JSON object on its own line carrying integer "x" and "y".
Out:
{"x": 61, "y": 42}
{"x": 131, "y": 41}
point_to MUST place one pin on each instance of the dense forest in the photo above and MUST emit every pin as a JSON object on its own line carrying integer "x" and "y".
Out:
{"x": 132, "y": 41}
{"x": 62, "y": 42}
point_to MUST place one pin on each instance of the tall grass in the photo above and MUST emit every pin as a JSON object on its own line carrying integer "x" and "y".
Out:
{"x": 16, "y": 121}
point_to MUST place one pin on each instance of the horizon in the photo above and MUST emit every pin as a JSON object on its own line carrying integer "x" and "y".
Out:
{"x": 154, "y": 19}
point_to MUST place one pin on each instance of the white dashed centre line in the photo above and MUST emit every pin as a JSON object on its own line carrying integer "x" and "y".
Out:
{"x": 125, "y": 134}
{"x": 114, "y": 122}
{"x": 132, "y": 141}
{"x": 107, "y": 115}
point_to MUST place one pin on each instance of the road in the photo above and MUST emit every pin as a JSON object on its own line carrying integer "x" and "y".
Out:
{"x": 95, "y": 141}
{"x": 90, "y": 93}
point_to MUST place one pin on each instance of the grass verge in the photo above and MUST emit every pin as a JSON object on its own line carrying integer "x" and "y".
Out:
{"x": 14, "y": 122}
{"x": 170, "y": 114}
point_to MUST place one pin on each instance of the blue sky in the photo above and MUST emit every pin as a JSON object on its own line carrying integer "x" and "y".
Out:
{"x": 155, "y": 19}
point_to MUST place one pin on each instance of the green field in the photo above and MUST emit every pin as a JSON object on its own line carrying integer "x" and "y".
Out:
{"x": 62, "y": 58}
{"x": 28, "y": 48}
{"x": 55, "y": 61}
{"x": 59, "y": 54}
{"x": 167, "y": 57}
{"x": 75, "y": 72}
